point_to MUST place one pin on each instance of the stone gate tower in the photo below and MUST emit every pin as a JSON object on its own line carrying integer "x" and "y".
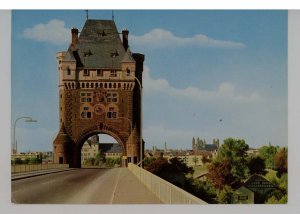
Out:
{"x": 100, "y": 83}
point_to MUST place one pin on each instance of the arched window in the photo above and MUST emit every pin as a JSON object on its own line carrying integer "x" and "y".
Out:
{"x": 112, "y": 112}
{"x": 68, "y": 71}
{"x": 128, "y": 71}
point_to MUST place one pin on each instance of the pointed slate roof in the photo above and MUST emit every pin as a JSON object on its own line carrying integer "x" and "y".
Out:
{"x": 69, "y": 56}
{"x": 62, "y": 136}
{"x": 110, "y": 148}
{"x": 99, "y": 45}
{"x": 128, "y": 57}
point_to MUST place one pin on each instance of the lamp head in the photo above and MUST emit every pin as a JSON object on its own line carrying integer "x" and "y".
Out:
{"x": 31, "y": 121}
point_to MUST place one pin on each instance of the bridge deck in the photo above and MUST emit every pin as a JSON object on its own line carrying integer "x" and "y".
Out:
{"x": 82, "y": 186}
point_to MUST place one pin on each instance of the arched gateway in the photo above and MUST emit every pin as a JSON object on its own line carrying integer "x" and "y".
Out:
{"x": 100, "y": 84}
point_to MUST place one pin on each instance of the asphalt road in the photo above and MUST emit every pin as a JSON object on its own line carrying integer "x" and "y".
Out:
{"x": 82, "y": 186}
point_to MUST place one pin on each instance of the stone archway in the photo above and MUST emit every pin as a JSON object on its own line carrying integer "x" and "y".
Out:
{"x": 100, "y": 129}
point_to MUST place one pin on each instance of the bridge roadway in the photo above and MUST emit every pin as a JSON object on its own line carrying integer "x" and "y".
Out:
{"x": 83, "y": 186}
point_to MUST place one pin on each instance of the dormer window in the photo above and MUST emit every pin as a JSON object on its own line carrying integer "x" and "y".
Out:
{"x": 99, "y": 72}
{"x": 113, "y": 73}
{"x": 87, "y": 53}
{"x": 128, "y": 72}
{"x": 68, "y": 71}
{"x": 101, "y": 34}
{"x": 86, "y": 72}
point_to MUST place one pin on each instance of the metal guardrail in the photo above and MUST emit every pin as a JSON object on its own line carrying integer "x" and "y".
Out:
{"x": 18, "y": 168}
{"x": 165, "y": 191}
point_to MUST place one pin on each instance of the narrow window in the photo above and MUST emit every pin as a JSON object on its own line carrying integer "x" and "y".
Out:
{"x": 112, "y": 113}
{"x": 99, "y": 72}
{"x": 86, "y": 72}
{"x": 128, "y": 72}
{"x": 113, "y": 73}
{"x": 112, "y": 97}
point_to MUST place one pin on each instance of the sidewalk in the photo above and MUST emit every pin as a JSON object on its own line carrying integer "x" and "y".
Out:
{"x": 130, "y": 190}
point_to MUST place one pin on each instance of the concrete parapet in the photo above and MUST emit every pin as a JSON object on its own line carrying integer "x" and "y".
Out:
{"x": 35, "y": 167}
{"x": 165, "y": 191}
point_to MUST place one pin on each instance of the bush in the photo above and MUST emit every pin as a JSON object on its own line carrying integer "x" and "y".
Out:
{"x": 201, "y": 189}
{"x": 226, "y": 195}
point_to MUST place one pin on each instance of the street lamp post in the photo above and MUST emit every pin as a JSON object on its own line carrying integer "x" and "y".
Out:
{"x": 28, "y": 119}
{"x": 141, "y": 115}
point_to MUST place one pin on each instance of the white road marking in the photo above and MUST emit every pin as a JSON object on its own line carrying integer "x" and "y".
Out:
{"x": 115, "y": 187}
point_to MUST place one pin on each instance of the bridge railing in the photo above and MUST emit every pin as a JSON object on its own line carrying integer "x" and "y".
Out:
{"x": 165, "y": 191}
{"x": 18, "y": 168}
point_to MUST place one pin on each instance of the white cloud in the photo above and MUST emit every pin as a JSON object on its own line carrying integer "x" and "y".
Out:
{"x": 53, "y": 32}
{"x": 226, "y": 90}
{"x": 163, "y": 38}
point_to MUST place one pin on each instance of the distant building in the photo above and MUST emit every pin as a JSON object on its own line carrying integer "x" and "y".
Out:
{"x": 191, "y": 160}
{"x": 201, "y": 145}
{"x": 243, "y": 196}
{"x": 254, "y": 190}
{"x": 90, "y": 149}
{"x": 252, "y": 151}
{"x": 25, "y": 156}
{"x": 111, "y": 150}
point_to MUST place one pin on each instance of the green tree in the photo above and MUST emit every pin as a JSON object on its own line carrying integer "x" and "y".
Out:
{"x": 274, "y": 200}
{"x": 268, "y": 153}
{"x": 174, "y": 171}
{"x": 195, "y": 160}
{"x": 230, "y": 164}
{"x": 276, "y": 197}
{"x": 232, "y": 150}
{"x": 148, "y": 161}
{"x": 35, "y": 160}
{"x": 18, "y": 161}
{"x": 99, "y": 159}
{"x": 157, "y": 166}
{"x": 26, "y": 161}
{"x": 201, "y": 189}
{"x": 281, "y": 161}
{"x": 226, "y": 195}
{"x": 220, "y": 174}
{"x": 90, "y": 161}
{"x": 256, "y": 165}
{"x": 178, "y": 165}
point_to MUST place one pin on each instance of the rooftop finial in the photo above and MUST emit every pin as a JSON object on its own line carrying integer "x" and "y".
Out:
{"x": 87, "y": 14}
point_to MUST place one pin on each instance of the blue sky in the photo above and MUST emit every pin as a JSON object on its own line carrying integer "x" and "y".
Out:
{"x": 208, "y": 74}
